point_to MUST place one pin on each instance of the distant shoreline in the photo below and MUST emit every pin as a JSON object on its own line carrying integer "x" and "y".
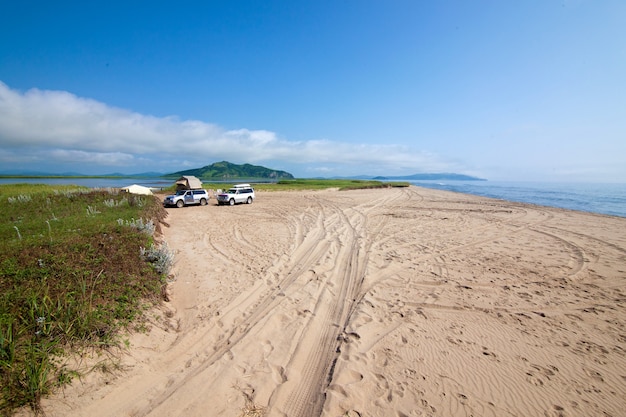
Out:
{"x": 71, "y": 176}
{"x": 609, "y": 199}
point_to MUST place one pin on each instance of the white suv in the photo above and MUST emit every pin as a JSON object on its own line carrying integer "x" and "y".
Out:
{"x": 187, "y": 197}
{"x": 240, "y": 193}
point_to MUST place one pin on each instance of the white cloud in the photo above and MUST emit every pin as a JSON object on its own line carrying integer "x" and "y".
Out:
{"x": 60, "y": 127}
{"x": 99, "y": 158}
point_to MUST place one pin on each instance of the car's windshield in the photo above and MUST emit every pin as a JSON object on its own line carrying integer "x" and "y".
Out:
{"x": 181, "y": 192}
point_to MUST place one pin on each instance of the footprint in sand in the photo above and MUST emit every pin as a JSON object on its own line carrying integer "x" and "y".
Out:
{"x": 278, "y": 374}
{"x": 381, "y": 360}
{"x": 595, "y": 375}
{"x": 267, "y": 347}
{"x": 545, "y": 373}
{"x": 534, "y": 379}
{"x": 489, "y": 353}
{"x": 557, "y": 411}
{"x": 349, "y": 377}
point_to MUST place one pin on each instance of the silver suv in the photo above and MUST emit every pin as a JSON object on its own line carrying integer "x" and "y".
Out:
{"x": 240, "y": 193}
{"x": 187, "y": 197}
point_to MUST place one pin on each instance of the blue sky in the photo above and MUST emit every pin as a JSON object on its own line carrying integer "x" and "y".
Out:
{"x": 504, "y": 90}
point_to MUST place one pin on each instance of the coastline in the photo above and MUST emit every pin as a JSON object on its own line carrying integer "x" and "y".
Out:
{"x": 609, "y": 199}
{"x": 602, "y": 198}
{"x": 369, "y": 302}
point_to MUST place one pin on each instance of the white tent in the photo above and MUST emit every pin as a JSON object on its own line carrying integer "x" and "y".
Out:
{"x": 137, "y": 189}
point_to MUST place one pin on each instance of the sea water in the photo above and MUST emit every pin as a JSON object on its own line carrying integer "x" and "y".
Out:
{"x": 592, "y": 197}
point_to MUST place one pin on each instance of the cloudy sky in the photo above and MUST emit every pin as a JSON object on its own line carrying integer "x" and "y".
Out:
{"x": 505, "y": 90}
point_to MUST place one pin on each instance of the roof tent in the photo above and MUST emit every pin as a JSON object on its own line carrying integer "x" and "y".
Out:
{"x": 188, "y": 182}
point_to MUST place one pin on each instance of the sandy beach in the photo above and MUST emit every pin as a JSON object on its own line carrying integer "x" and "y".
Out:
{"x": 395, "y": 302}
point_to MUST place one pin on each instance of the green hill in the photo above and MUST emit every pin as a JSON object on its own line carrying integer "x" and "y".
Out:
{"x": 225, "y": 171}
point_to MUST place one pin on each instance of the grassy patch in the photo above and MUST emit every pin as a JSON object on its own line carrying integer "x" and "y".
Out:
{"x": 316, "y": 184}
{"x": 76, "y": 267}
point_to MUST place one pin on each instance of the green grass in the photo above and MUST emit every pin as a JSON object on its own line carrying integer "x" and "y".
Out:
{"x": 77, "y": 266}
{"x": 315, "y": 184}
{"x": 343, "y": 185}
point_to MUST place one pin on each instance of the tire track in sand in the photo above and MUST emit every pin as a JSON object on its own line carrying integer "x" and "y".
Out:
{"x": 256, "y": 305}
{"x": 350, "y": 231}
{"x": 318, "y": 346}
{"x": 325, "y": 236}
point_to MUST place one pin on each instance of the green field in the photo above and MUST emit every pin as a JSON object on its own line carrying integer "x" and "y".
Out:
{"x": 77, "y": 267}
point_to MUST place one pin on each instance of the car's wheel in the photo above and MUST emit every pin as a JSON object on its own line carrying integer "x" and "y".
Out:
{"x": 249, "y": 200}
{"x": 232, "y": 202}
{"x": 203, "y": 202}
{"x": 180, "y": 203}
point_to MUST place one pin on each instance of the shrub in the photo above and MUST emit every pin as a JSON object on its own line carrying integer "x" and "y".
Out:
{"x": 147, "y": 227}
{"x": 161, "y": 257}
{"x": 70, "y": 281}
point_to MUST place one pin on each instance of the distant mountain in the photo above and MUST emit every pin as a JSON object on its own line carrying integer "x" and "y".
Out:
{"x": 140, "y": 175}
{"x": 221, "y": 171}
{"x": 27, "y": 173}
{"x": 433, "y": 177}
{"x": 148, "y": 174}
{"x": 225, "y": 171}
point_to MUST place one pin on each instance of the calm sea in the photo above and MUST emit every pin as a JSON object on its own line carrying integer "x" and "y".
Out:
{"x": 596, "y": 198}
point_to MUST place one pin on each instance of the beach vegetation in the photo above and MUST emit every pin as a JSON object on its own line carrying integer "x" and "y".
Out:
{"x": 341, "y": 184}
{"x": 304, "y": 184}
{"x": 78, "y": 268}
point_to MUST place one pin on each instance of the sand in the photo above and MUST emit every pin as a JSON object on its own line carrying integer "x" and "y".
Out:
{"x": 395, "y": 302}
